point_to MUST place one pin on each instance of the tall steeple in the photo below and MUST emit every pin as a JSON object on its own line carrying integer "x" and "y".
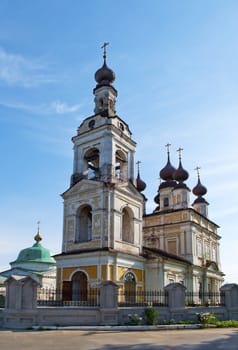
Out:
{"x": 105, "y": 93}
{"x": 102, "y": 207}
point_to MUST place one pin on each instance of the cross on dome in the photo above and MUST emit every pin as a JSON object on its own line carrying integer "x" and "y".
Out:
{"x": 180, "y": 152}
{"x": 168, "y": 147}
{"x": 104, "y": 46}
{"x": 197, "y": 170}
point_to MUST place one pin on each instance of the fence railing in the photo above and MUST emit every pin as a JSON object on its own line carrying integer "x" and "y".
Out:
{"x": 143, "y": 298}
{"x": 54, "y": 297}
{"x": 204, "y": 298}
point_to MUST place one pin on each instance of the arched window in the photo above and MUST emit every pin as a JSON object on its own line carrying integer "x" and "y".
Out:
{"x": 84, "y": 224}
{"x": 121, "y": 166}
{"x": 91, "y": 158}
{"x": 166, "y": 202}
{"x": 127, "y": 226}
{"x": 130, "y": 288}
{"x": 79, "y": 286}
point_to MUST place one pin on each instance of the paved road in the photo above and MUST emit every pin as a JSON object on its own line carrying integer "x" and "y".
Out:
{"x": 207, "y": 339}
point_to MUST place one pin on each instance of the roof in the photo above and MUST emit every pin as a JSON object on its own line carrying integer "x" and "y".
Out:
{"x": 36, "y": 253}
{"x": 164, "y": 254}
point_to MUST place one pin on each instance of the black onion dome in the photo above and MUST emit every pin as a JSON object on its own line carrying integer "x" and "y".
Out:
{"x": 180, "y": 174}
{"x": 104, "y": 74}
{"x": 140, "y": 184}
{"x": 167, "y": 172}
{"x": 199, "y": 189}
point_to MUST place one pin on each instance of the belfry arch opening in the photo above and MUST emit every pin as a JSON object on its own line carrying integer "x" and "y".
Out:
{"x": 127, "y": 225}
{"x": 121, "y": 166}
{"x": 91, "y": 158}
{"x": 83, "y": 224}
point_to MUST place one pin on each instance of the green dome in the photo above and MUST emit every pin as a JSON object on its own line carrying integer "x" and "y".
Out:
{"x": 36, "y": 253}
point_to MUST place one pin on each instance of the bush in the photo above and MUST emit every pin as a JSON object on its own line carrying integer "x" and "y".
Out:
{"x": 206, "y": 318}
{"x": 151, "y": 316}
{"x": 225, "y": 324}
{"x": 134, "y": 320}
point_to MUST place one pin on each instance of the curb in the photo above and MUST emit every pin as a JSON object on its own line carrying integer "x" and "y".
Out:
{"x": 120, "y": 328}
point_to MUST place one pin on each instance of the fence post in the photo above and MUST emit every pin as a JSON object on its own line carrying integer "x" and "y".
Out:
{"x": 108, "y": 303}
{"x": 176, "y": 295}
{"x": 230, "y": 291}
{"x": 21, "y": 293}
{"x": 108, "y": 295}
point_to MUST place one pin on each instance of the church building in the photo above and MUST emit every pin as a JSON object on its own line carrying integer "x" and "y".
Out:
{"x": 107, "y": 234}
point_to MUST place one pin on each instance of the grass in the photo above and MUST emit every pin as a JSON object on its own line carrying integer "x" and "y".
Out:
{"x": 227, "y": 324}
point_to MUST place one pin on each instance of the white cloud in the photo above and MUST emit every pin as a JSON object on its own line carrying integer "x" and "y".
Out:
{"x": 63, "y": 108}
{"x": 16, "y": 70}
{"x": 56, "y": 107}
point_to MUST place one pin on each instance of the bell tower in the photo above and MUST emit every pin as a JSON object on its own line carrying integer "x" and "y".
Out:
{"x": 103, "y": 206}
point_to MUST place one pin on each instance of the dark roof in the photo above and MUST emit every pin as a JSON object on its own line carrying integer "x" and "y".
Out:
{"x": 164, "y": 254}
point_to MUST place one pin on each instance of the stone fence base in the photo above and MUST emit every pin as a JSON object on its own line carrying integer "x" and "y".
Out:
{"x": 75, "y": 316}
{"x": 24, "y": 319}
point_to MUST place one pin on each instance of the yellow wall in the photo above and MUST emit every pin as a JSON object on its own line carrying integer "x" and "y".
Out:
{"x": 123, "y": 270}
{"x": 90, "y": 270}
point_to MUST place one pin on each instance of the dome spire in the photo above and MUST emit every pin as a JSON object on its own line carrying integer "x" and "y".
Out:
{"x": 200, "y": 204}
{"x": 180, "y": 175}
{"x": 166, "y": 173}
{"x": 105, "y": 93}
{"x": 38, "y": 237}
{"x": 199, "y": 190}
{"x": 104, "y": 75}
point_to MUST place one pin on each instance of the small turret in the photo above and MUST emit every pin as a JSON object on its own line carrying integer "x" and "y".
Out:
{"x": 164, "y": 197}
{"x": 200, "y": 204}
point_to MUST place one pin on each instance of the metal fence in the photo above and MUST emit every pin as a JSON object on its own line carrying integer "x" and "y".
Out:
{"x": 91, "y": 297}
{"x": 143, "y": 298}
{"x": 204, "y": 299}
{"x": 54, "y": 297}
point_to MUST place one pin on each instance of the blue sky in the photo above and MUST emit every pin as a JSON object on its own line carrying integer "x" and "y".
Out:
{"x": 176, "y": 65}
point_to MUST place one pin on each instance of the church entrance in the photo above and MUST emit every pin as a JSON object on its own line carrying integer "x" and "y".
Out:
{"x": 77, "y": 288}
{"x": 130, "y": 288}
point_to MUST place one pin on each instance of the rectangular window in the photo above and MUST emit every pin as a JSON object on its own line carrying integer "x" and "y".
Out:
{"x": 172, "y": 246}
{"x": 207, "y": 252}
{"x": 214, "y": 255}
{"x": 199, "y": 248}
